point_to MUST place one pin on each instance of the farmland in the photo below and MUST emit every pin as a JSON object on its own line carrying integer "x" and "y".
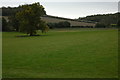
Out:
{"x": 52, "y": 19}
{"x": 61, "y": 53}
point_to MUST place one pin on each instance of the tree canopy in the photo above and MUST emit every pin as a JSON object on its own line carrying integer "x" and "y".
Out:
{"x": 29, "y": 18}
{"x": 106, "y": 19}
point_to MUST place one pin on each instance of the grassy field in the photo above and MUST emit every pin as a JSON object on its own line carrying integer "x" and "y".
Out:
{"x": 77, "y": 53}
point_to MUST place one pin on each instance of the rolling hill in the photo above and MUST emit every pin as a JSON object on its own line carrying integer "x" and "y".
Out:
{"x": 53, "y": 19}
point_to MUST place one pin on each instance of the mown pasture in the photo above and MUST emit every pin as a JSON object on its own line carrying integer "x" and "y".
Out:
{"x": 61, "y": 53}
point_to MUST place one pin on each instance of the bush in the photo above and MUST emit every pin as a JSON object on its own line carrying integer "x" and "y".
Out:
{"x": 62, "y": 24}
{"x": 52, "y": 25}
{"x": 100, "y": 25}
{"x": 5, "y": 25}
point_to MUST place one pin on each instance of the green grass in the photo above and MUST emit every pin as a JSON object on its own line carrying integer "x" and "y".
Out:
{"x": 77, "y": 53}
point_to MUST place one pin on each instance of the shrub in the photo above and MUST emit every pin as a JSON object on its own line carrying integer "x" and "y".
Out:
{"x": 100, "y": 25}
{"x": 62, "y": 24}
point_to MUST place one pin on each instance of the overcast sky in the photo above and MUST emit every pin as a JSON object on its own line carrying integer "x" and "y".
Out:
{"x": 19, "y": 2}
{"x": 59, "y": 1}
{"x": 70, "y": 8}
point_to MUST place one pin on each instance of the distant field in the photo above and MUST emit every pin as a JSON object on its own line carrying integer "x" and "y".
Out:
{"x": 73, "y": 23}
{"x": 61, "y": 53}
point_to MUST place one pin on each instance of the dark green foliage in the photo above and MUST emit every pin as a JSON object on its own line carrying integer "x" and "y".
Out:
{"x": 29, "y": 18}
{"x": 62, "y": 24}
{"x": 106, "y": 19}
{"x": 100, "y": 25}
{"x": 43, "y": 26}
{"x": 14, "y": 22}
{"x": 4, "y": 25}
{"x": 118, "y": 23}
{"x": 51, "y": 25}
{"x": 8, "y": 11}
{"x": 26, "y": 18}
{"x": 113, "y": 26}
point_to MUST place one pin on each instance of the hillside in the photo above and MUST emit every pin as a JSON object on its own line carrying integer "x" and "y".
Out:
{"x": 8, "y": 11}
{"x": 53, "y": 19}
{"x": 106, "y": 19}
{"x": 89, "y": 21}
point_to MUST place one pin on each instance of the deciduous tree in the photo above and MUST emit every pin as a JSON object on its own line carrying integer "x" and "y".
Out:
{"x": 29, "y": 18}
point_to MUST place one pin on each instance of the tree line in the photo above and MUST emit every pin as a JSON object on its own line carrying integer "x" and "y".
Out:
{"x": 62, "y": 24}
{"x": 103, "y": 20}
{"x": 25, "y": 18}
